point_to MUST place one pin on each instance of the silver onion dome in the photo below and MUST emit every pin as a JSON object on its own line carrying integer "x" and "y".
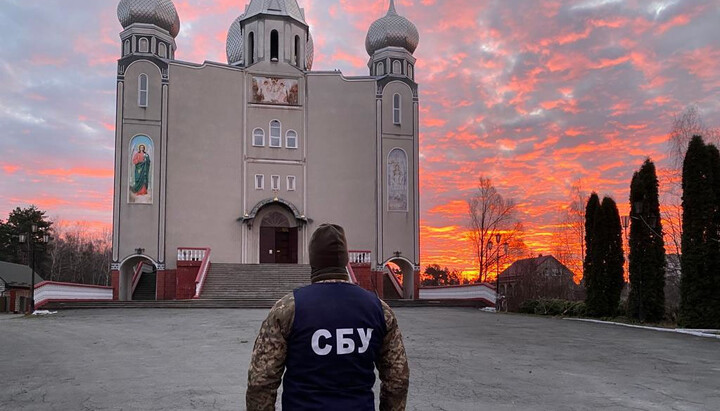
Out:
{"x": 392, "y": 30}
{"x": 161, "y": 13}
{"x": 309, "y": 52}
{"x": 235, "y": 45}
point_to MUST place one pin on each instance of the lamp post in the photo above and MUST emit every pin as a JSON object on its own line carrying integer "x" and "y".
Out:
{"x": 498, "y": 238}
{"x": 30, "y": 241}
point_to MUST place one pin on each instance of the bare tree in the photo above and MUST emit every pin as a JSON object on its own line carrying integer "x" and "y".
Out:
{"x": 687, "y": 124}
{"x": 569, "y": 238}
{"x": 79, "y": 254}
{"x": 491, "y": 214}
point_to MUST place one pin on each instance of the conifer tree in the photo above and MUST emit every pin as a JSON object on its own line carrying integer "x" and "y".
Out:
{"x": 613, "y": 257}
{"x": 647, "y": 247}
{"x": 699, "y": 285}
{"x": 589, "y": 264}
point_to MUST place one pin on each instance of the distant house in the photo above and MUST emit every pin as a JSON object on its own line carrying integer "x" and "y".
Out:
{"x": 15, "y": 284}
{"x": 540, "y": 277}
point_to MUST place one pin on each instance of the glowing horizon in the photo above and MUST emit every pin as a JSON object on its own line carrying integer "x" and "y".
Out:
{"x": 536, "y": 95}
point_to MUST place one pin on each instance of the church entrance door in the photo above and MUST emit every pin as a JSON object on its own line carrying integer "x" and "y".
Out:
{"x": 278, "y": 241}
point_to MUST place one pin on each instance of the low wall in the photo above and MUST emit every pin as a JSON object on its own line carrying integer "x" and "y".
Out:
{"x": 482, "y": 292}
{"x": 48, "y": 291}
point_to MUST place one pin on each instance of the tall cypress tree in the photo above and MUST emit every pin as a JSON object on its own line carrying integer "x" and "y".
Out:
{"x": 589, "y": 264}
{"x": 613, "y": 257}
{"x": 698, "y": 284}
{"x": 647, "y": 247}
{"x": 714, "y": 242}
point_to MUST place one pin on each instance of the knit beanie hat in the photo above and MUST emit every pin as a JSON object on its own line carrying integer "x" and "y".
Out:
{"x": 328, "y": 253}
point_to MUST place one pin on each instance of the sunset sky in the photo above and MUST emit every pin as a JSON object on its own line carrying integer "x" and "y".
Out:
{"x": 535, "y": 94}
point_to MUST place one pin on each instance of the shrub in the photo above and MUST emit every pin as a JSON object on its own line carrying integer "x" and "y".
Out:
{"x": 554, "y": 307}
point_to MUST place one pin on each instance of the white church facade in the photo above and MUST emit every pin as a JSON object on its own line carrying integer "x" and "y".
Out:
{"x": 238, "y": 163}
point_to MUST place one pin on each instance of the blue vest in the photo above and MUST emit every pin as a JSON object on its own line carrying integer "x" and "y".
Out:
{"x": 335, "y": 340}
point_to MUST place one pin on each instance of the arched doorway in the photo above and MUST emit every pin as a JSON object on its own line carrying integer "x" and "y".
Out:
{"x": 404, "y": 272}
{"x": 127, "y": 272}
{"x": 278, "y": 237}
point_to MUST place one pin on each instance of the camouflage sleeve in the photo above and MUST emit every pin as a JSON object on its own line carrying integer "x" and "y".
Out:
{"x": 393, "y": 366}
{"x": 268, "y": 358}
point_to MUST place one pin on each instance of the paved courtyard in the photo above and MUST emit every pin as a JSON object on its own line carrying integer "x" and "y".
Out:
{"x": 460, "y": 359}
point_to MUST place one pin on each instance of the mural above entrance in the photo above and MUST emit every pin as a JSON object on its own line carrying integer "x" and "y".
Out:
{"x": 140, "y": 168}
{"x": 273, "y": 90}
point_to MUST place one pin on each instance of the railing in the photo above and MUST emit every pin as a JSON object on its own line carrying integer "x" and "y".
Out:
{"x": 360, "y": 257}
{"x": 201, "y": 255}
{"x": 50, "y": 291}
{"x": 136, "y": 276}
{"x": 394, "y": 282}
{"x": 351, "y": 273}
{"x": 192, "y": 254}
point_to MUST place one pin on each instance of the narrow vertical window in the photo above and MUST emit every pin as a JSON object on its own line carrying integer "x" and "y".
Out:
{"x": 144, "y": 45}
{"x": 162, "y": 50}
{"x": 251, "y": 48}
{"x": 380, "y": 69}
{"x": 410, "y": 71}
{"x": 291, "y": 139}
{"x": 259, "y": 137}
{"x": 297, "y": 51}
{"x": 126, "y": 48}
{"x": 143, "y": 90}
{"x": 291, "y": 183}
{"x": 275, "y": 134}
{"x": 259, "y": 182}
{"x": 397, "y": 67}
{"x": 397, "y": 109}
{"x": 274, "y": 45}
{"x": 275, "y": 182}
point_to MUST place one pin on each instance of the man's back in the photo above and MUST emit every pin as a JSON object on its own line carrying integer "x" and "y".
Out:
{"x": 333, "y": 346}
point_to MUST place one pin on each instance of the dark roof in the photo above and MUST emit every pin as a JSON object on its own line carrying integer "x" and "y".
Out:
{"x": 17, "y": 275}
{"x": 521, "y": 267}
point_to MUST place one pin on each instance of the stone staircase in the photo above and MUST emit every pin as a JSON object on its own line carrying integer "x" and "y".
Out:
{"x": 145, "y": 290}
{"x": 252, "y": 282}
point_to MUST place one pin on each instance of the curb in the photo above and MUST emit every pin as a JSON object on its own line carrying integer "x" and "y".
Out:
{"x": 696, "y": 333}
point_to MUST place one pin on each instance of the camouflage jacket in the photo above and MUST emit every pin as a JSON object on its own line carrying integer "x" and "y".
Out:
{"x": 268, "y": 360}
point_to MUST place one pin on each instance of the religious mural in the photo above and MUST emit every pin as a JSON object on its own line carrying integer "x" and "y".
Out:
{"x": 397, "y": 177}
{"x": 272, "y": 90}
{"x": 140, "y": 167}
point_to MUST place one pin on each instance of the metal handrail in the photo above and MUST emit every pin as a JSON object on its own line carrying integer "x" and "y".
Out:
{"x": 351, "y": 273}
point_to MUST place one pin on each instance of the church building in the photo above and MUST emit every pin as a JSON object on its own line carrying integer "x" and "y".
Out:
{"x": 232, "y": 166}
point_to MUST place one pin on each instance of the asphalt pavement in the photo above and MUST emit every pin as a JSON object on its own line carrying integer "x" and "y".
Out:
{"x": 460, "y": 359}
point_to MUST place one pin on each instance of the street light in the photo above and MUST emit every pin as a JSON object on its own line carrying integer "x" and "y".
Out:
{"x": 498, "y": 238}
{"x": 30, "y": 241}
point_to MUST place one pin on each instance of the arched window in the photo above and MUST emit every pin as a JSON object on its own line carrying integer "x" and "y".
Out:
{"x": 291, "y": 139}
{"x": 162, "y": 50}
{"x": 144, "y": 45}
{"x": 251, "y": 48}
{"x": 259, "y": 137}
{"x": 397, "y": 109}
{"x": 297, "y": 51}
{"x": 380, "y": 70}
{"x": 397, "y": 67}
{"x": 143, "y": 90}
{"x": 410, "y": 71}
{"x": 275, "y": 134}
{"x": 274, "y": 45}
{"x": 397, "y": 180}
{"x": 126, "y": 48}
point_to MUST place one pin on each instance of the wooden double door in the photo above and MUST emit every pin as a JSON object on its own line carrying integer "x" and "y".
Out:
{"x": 278, "y": 245}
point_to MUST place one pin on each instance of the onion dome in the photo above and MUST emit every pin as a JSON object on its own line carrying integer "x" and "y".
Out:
{"x": 392, "y": 30}
{"x": 235, "y": 45}
{"x": 160, "y": 13}
{"x": 309, "y": 52}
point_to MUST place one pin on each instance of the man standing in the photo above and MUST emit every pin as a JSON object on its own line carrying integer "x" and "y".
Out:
{"x": 328, "y": 338}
